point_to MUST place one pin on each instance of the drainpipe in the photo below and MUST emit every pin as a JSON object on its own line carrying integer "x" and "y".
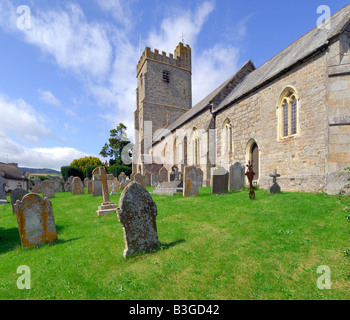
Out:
{"x": 212, "y": 112}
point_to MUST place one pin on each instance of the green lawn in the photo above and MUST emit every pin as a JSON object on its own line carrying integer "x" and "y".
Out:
{"x": 213, "y": 247}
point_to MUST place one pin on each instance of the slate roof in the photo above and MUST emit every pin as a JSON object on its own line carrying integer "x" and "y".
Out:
{"x": 10, "y": 171}
{"x": 304, "y": 47}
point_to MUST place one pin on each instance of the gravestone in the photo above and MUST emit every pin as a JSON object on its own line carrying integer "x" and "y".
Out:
{"x": 58, "y": 185}
{"x": 137, "y": 213}
{"x": 107, "y": 206}
{"x": 169, "y": 188}
{"x": 77, "y": 186}
{"x": 15, "y": 195}
{"x": 67, "y": 187}
{"x": 192, "y": 180}
{"x": 122, "y": 177}
{"x": 154, "y": 179}
{"x": 96, "y": 183}
{"x": 147, "y": 179}
{"x": 174, "y": 174}
{"x": 70, "y": 179}
{"x": 219, "y": 181}
{"x": 163, "y": 175}
{"x": 37, "y": 185}
{"x": 236, "y": 178}
{"x": 86, "y": 180}
{"x": 132, "y": 176}
{"x": 47, "y": 189}
{"x": 275, "y": 188}
{"x": 114, "y": 191}
{"x": 36, "y": 223}
{"x": 89, "y": 187}
{"x": 139, "y": 178}
{"x": 3, "y": 199}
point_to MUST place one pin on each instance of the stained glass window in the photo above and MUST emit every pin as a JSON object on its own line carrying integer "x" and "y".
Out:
{"x": 294, "y": 116}
{"x": 285, "y": 118}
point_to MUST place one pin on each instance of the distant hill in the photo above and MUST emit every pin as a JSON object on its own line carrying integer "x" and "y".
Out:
{"x": 39, "y": 171}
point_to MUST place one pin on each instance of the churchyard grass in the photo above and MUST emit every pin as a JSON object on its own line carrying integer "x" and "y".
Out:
{"x": 213, "y": 247}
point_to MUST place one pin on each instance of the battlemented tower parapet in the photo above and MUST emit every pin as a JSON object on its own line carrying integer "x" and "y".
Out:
{"x": 180, "y": 59}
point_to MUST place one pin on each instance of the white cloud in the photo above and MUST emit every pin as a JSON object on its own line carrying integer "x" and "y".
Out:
{"x": 48, "y": 97}
{"x": 119, "y": 10}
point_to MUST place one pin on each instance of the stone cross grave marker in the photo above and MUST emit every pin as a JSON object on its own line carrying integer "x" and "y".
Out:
{"x": 107, "y": 206}
{"x": 36, "y": 223}
{"x": 174, "y": 174}
{"x": 137, "y": 213}
{"x": 275, "y": 188}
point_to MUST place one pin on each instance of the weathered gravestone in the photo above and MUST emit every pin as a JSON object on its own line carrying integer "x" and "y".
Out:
{"x": 137, "y": 213}
{"x": 275, "y": 188}
{"x": 77, "y": 186}
{"x": 132, "y": 176}
{"x": 163, "y": 175}
{"x": 58, "y": 185}
{"x": 147, "y": 179}
{"x": 37, "y": 185}
{"x": 89, "y": 187}
{"x": 96, "y": 183}
{"x": 70, "y": 179}
{"x": 174, "y": 174}
{"x": 47, "y": 189}
{"x": 139, "y": 178}
{"x": 236, "y": 177}
{"x": 107, "y": 206}
{"x": 67, "y": 187}
{"x": 122, "y": 177}
{"x": 154, "y": 179}
{"x": 192, "y": 180}
{"x": 3, "y": 199}
{"x": 86, "y": 180}
{"x": 17, "y": 194}
{"x": 36, "y": 223}
{"x": 219, "y": 181}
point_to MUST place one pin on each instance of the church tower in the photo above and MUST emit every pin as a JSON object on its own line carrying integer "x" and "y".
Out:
{"x": 163, "y": 94}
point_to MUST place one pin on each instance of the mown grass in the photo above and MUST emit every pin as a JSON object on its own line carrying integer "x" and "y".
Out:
{"x": 213, "y": 247}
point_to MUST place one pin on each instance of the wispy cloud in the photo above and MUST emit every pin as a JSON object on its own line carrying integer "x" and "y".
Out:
{"x": 49, "y": 98}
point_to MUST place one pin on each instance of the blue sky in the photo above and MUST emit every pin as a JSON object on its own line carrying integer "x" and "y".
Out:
{"x": 71, "y": 77}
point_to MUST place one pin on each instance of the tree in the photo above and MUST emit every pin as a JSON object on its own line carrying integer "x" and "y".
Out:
{"x": 85, "y": 162}
{"x": 116, "y": 143}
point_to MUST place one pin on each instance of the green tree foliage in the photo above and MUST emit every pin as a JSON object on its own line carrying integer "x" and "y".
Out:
{"x": 68, "y": 171}
{"x": 117, "y": 170}
{"x": 83, "y": 163}
{"x": 117, "y": 141}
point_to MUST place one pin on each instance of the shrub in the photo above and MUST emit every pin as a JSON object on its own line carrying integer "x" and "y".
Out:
{"x": 64, "y": 173}
{"x": 116, "y": 170}
{"x": 83, "y": 163}
{"x": 68, "y": 171}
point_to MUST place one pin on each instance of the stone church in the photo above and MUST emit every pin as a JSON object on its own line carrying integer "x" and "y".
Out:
{"x": 291, "y": 114}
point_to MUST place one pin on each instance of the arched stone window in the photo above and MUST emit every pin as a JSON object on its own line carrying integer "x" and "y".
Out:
{"x": 288, "y": 112}
{"x": 195, "y": 147}
{"x": 227, "y": 139}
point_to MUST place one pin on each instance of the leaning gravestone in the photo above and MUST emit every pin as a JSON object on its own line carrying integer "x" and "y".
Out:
{"x": 36, "y": 223}
{"x": 17, "y": 194}
{"x": 137, "y": 213}
{"x": 163, "y": 175}
{"x": 77, "y": 186}
{"x": 219, "y": 181}
{"x": 192, "y": 180}
{"x": 3, "y": 199}
{"x": 47, "y": 189}
{"x": 236, "y": 177}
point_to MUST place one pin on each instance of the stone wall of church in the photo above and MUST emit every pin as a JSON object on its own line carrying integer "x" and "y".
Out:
{"x": 300, "y": 159}
{"x": 338, "y": 97}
